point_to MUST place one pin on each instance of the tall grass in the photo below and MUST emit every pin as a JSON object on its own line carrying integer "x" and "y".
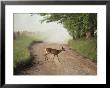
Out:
{"x": 21, "y": 55}
{"x": 86, "y": 47}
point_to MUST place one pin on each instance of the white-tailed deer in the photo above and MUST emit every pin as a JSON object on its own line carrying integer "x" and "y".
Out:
{"x": 55, "y": 52}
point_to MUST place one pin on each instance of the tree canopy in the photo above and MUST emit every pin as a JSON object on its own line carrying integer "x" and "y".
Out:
{"x": 77, "y": 24}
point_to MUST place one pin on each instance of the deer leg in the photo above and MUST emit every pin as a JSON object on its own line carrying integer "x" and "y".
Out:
{"x": 58, "y": 58}
{"x": 46, "y": 58}
{"x": 53, "y": 57}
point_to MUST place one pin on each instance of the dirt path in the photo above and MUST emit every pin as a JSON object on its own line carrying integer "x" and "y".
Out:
{"x": 71, "y": 62}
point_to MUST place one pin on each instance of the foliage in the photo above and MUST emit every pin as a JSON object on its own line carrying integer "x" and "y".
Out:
{"x": 77, "y": 24}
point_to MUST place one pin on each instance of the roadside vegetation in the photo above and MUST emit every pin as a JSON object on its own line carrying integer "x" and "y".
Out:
{"x": 21, "y": 55}
{"x": 87, "y": 48}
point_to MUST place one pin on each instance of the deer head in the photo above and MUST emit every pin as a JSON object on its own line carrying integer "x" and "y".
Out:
{"x": 63, "y": 49}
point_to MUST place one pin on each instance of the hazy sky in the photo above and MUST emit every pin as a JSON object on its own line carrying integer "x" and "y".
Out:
{"x": 54, "y": 32}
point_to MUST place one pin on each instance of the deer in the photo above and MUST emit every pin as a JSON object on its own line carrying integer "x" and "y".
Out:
{"x": 55, "y": 52}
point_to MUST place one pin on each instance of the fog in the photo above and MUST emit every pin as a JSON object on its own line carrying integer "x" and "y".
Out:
{"x": 54, "y": 32}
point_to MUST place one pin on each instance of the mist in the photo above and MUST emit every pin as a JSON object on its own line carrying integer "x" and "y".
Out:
{"x": 53, "y": 32}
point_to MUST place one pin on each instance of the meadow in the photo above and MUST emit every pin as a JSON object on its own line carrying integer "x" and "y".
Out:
{"x": 21, "y": 55}
{"x": 86, "y": 47}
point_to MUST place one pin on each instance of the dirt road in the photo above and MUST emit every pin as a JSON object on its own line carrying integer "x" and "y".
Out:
{"x": 71, "y": 62}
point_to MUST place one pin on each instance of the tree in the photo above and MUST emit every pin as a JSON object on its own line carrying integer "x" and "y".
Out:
{"x": 77, "y": 24}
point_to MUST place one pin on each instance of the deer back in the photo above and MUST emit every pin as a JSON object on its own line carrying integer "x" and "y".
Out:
{"x": 53, "y": 51}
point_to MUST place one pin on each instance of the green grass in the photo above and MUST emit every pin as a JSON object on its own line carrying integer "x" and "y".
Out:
{"x": 21, "y": 54}
{"x": 87, "y": 48}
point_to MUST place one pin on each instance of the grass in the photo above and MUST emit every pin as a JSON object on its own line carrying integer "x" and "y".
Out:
{"x": 86, "y": 47}
{"x": 21, "y": 54}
